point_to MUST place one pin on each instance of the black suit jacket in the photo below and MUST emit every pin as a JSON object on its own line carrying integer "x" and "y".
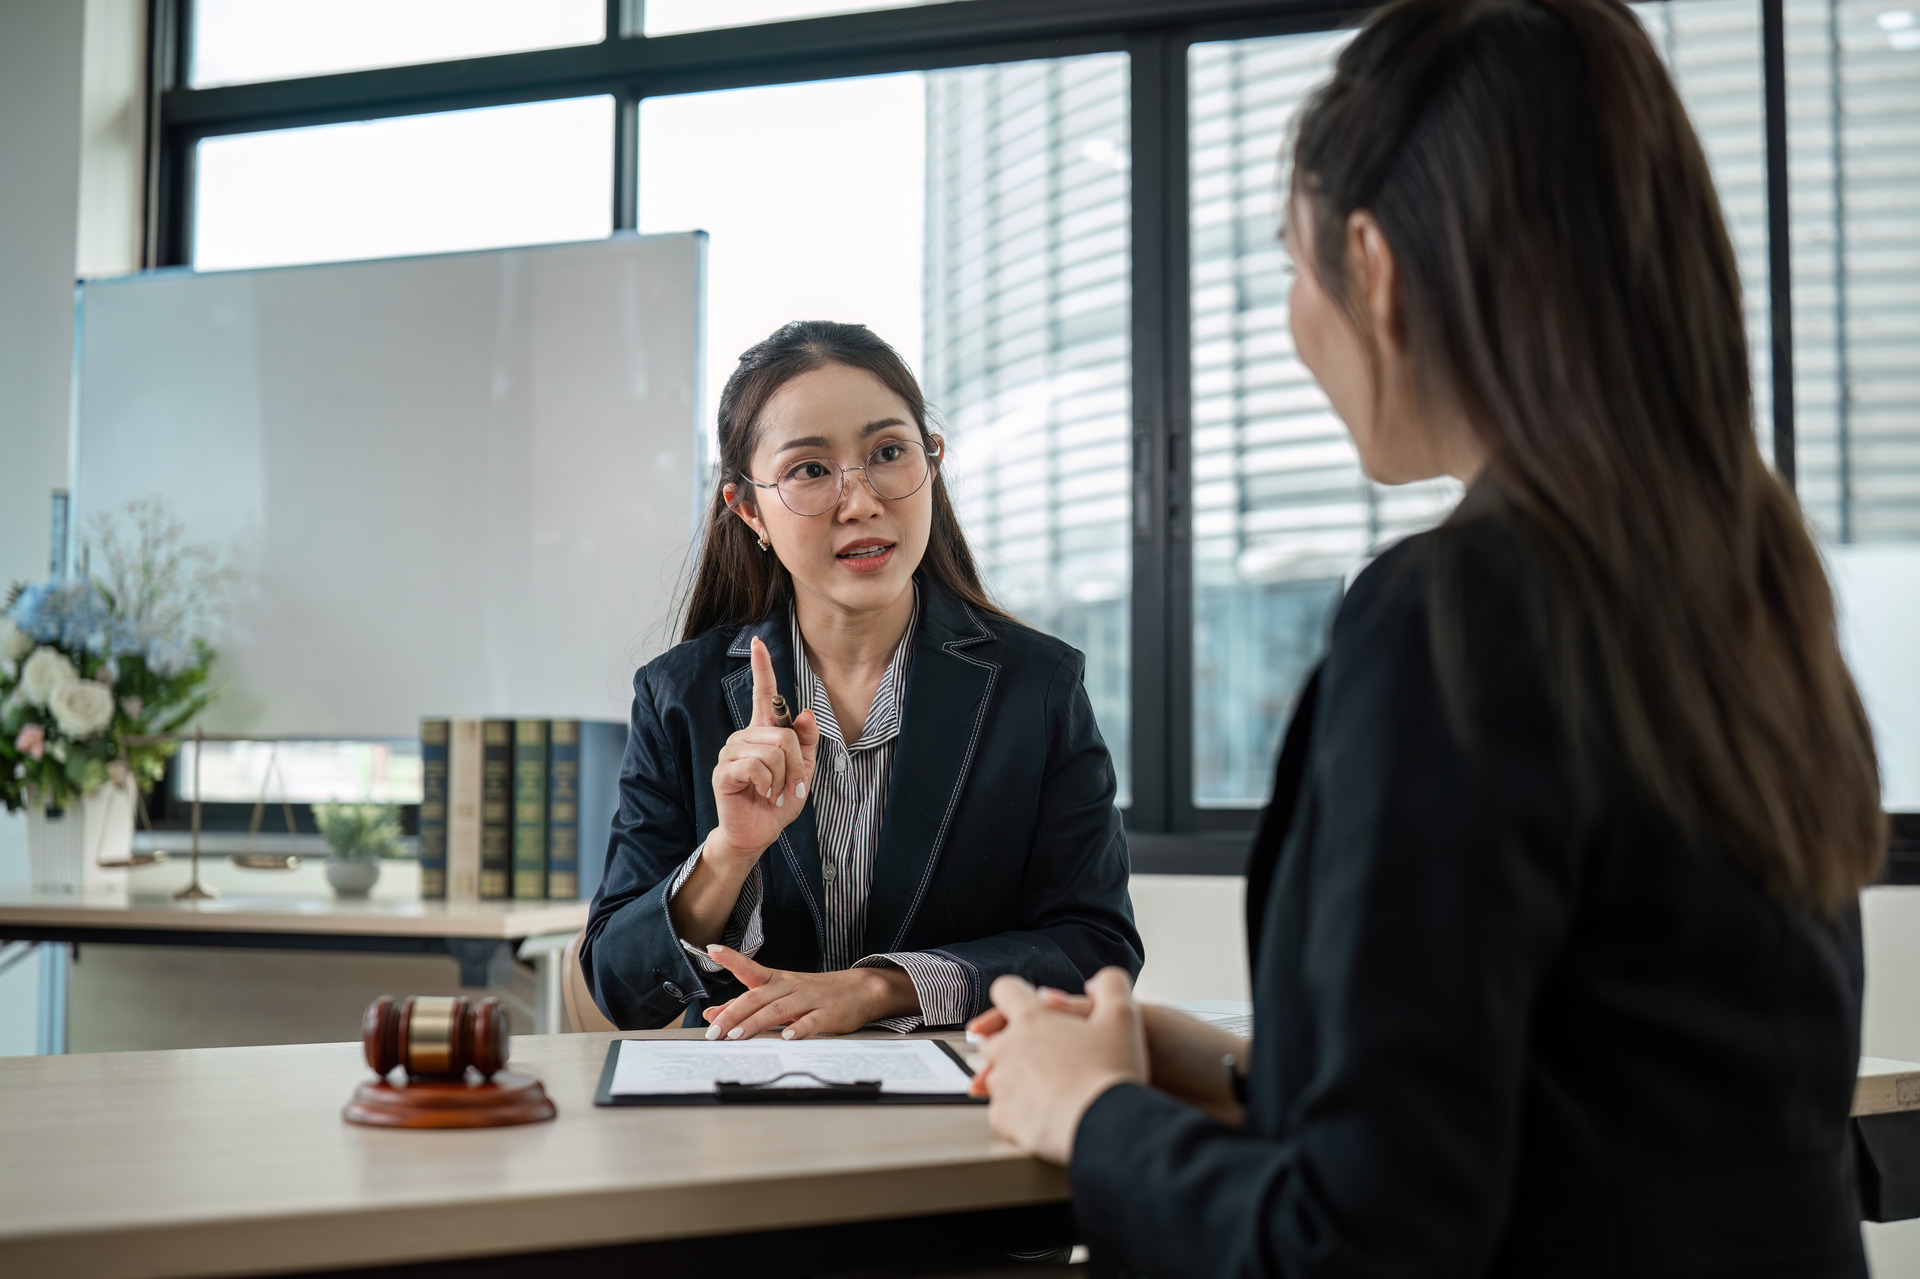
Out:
{"x": 1000, "y": 847}
{"x": 1499, "y": 1028}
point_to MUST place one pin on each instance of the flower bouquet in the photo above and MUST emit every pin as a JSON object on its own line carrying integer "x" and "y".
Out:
{"x": 90, "y": 672}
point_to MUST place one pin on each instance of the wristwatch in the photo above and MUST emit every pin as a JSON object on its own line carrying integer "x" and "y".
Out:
{"x": 1236, "y": 1078}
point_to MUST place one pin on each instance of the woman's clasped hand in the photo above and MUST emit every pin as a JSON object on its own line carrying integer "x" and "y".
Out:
{"x": 1049, "y": 1055}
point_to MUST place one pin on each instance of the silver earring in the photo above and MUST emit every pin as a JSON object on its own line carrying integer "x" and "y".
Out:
{"x": 763, "y": 544}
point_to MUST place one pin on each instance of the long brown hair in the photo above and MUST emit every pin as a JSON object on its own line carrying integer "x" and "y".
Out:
{"x": 1566, "y": 274}
{"x": 737, "y": 583}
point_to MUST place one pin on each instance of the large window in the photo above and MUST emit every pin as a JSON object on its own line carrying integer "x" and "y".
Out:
{"x": 665, "y": 17}
{"x": 1064, "y": 216}
{"x": 1853, "y": 82}
{"x": 1712, "y": 48}
{"x": 416, "y": 184}
{"x": 236, "y": 41}
{"x": 1282, "y": 513}
{"x": 813, "y": 197}
{"x": 1027, "y": 322}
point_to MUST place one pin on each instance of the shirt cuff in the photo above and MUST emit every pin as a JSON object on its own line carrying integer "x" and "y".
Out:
{"x": 942, "y": 984}
{"x": 743, "y": 932}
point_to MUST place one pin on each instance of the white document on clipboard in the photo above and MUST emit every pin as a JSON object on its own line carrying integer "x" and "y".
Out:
{"x": 691, "y": 1067}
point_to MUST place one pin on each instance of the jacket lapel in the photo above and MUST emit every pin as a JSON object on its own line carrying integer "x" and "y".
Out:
{"x": 949, "y": 688}
{"x": 799, "y": 844}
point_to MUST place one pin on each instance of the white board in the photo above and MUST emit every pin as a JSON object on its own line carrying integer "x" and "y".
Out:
{"x": 461, "y": 484}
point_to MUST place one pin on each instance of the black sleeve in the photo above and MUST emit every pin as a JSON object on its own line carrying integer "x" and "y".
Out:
{"x": 1436, "y": 891}
{"x": 632, "y": 958}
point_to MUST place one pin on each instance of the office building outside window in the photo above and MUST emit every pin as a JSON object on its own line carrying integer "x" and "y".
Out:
{"x": 1853, "y": 105}
{"x": 1027, "y": 344}
{"x": 1282, "y": 513}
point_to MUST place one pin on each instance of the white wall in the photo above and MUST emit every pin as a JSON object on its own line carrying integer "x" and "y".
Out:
{"x": 40, "y": 132}
{"x": 1194, "y": 929}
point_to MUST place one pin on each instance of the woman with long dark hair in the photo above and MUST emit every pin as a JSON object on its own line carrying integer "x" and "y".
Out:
{"x": 856, "y": 791}
{"x": 1554, "y": 913}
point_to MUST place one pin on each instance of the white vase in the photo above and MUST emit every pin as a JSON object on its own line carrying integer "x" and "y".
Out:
{"x": 352, "y": 877}
{"x": 86, "y": 848}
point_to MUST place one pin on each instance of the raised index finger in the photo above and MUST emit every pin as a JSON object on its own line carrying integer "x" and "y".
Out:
{"x": 763, "y": 685}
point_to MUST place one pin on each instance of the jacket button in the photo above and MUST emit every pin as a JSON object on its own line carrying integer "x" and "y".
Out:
{"x": 675, "y": 992}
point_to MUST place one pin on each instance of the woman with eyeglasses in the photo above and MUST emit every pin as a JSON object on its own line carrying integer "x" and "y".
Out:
{"x": 857, "y": 791}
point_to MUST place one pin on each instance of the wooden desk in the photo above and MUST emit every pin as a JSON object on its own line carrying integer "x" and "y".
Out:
{"x": 1886, "y": 1087}
{"x": 481, "y": 936}
{"x": 226, "y": 1161}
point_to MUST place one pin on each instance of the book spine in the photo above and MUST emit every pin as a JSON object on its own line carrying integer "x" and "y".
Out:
{"x": 530, "y": 809}
{"x": 563, "y": 811}
{"x": 603, "y": 745}
{"x": 465, "y": 761}
{"x": 496, "y": 811}
{"x": 433, "y": 808}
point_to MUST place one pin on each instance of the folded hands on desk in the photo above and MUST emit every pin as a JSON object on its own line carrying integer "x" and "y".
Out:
{"x": 1050, "y": 1055}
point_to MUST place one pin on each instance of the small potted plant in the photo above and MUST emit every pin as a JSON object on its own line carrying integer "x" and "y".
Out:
{"x": 357, "y": 836}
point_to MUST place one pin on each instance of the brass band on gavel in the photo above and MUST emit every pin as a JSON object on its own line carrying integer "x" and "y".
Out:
{"x": 436, "y": 1036}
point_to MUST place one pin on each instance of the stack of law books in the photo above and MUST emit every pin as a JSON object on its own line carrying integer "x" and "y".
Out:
{"x": 516, "y": 808}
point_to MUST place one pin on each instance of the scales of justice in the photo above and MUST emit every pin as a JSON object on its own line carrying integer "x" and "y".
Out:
{"x": 250, "y": 858}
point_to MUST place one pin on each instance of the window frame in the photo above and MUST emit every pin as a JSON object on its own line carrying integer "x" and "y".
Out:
{"x": 1168, "y": 832}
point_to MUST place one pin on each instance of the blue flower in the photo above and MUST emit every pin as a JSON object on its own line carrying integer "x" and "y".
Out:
{"x": 27, "y": 613}
{"x": 73, "y": 615}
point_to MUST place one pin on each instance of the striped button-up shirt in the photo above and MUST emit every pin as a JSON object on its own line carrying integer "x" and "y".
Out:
{"x": 849, "y": 797}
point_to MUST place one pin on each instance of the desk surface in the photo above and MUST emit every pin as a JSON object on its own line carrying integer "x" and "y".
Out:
{"x": 236, "y": 1160}
{"x": 1886, "y": 1087}
{"x": 499, "y": 920}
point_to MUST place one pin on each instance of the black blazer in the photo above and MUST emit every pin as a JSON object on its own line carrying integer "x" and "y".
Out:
{"x": 1498, "y": 1030}
{"x": 1000, "y": 848}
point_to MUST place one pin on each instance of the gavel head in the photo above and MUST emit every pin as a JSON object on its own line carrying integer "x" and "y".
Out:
{"x": 435, "y": 1037}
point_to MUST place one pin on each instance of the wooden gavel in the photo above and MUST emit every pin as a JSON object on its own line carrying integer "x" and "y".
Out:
{"x": 435, "y": 1036}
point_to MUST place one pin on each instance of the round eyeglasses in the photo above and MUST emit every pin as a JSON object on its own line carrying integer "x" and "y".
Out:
{"x": 814, "y": 485}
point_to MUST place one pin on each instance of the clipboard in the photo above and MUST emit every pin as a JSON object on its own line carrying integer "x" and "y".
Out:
{"x": 779, "y": 1092}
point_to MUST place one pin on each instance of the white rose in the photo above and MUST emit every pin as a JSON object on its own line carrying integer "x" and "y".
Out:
{"x": 14, "y": 642}
{"x": 44, "y": 672}
{"x": 82, "y": 707}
